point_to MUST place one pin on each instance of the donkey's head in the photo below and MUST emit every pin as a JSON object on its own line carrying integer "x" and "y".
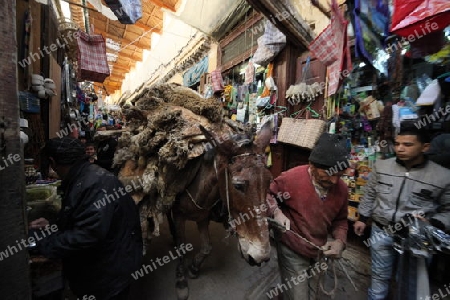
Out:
{"x": 244, "y": 181}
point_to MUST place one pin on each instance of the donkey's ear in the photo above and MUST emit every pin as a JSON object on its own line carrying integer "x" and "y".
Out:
{"x": 225, "y": 145}
{"x": 263, "y": 137}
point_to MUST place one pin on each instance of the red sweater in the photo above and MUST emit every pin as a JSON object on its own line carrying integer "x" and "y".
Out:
{"x": 310, "y": 217}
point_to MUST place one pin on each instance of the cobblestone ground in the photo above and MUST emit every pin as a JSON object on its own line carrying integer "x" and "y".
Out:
{"x": 226, "y": 276}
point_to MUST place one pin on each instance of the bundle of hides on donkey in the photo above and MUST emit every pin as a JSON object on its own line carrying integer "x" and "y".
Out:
{"x": 157, "y": 154}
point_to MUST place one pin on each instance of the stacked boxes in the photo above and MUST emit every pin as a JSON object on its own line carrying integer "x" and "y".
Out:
{"x": 356, "y": 177}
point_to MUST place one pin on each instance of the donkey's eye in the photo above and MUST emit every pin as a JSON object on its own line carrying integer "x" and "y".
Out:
{"x": 240, "y": 185}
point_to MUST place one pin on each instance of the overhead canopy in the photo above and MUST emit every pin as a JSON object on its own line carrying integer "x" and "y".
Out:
{"x": 212, "y": 17}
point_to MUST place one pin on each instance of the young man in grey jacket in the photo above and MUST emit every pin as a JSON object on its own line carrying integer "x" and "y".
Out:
{"x": 407, "y": 184}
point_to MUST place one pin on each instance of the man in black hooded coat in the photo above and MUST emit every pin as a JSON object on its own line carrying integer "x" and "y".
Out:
{"x": 98, "y": 233}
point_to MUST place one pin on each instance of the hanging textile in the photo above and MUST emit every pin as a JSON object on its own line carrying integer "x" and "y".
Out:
{"x": 127, "y": 11}
{"x": 420, "y": 17}
{"x": 92, "y": 61}
{"x": 192, "y": 76}
{"x": 217, "y": 81}
{"x": 332, "y": 48}
{"x": 327, "y": 47}
{"x": 371, "y": 25}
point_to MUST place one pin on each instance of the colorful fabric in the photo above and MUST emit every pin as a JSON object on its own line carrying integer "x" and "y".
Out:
{"x": 217, "y": 81}
{"x": 371, "y": 24}
{"x": 328, "y": 46}
{"x": 193, "y": 75}
{"x": 92, "y": 61}
{"x": 332, "y": 48}
{"x": 127, "y": 11}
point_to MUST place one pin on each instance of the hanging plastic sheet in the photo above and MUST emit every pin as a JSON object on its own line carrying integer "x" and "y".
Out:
{"x": 420, "y": 17}
{"x": 269, "y": 44}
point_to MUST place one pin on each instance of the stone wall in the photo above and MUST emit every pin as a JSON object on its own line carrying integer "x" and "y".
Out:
{"x": 14, "y": 275}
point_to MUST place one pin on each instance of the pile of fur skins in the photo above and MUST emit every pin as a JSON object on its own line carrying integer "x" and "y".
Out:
{"x": 156, "y": 155}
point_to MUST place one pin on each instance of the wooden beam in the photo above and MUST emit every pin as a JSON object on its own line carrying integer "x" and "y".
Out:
{"x": 162, "y": 5}
{"x": 113, "y": 78}
{"x": 118, "y": 80}
{"x": 124, "y": 42}
{"x": 121, "y": 65}
{"x": 147, "y": 28}
{"x": 139, "y": 55}
{"x": 116, "y": 67}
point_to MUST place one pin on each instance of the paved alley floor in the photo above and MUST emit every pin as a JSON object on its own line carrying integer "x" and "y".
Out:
{"x": 226, "y": 276}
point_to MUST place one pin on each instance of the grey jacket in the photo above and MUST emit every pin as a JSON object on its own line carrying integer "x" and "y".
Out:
{"x": 392, "y": 192}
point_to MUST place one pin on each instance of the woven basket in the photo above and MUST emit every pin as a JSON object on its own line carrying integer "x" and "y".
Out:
{"x": 301, "y": 132}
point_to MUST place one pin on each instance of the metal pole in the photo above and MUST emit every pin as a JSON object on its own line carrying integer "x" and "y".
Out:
{"x": 86, "y": 16}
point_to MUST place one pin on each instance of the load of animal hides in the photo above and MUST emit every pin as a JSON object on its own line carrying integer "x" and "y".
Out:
{"x": 160, "y": 153}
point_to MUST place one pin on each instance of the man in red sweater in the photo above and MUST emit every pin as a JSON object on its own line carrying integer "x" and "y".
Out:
{"x": 310, "y": 201}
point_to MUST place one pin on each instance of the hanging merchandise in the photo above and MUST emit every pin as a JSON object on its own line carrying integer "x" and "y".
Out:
{"x": 262, "y": 102}
{"x": 269, "y": 95}
{"x": 371, "y": 23}
{"x": 327, "y": 47}
{"x": 371, "y": 108}
{"x": 194, "y": 74}
{"x": 269, "y": 44}
{"x": 249, "y": 73}
{"x": 301, "y": 132}
{"x": 241, "y": 112}
{"x": 441, "y": 57}
{"x": 217, "y": 81}
{"x": 430, "y": 95}
{"x": 127, "y": 11}
{"x": 266, "y": 91}
{"x": 92, "y": 61}
{"x": 29, "y": 103}
{"x": 302, "y": 91}
{"x": 419, "y": 17}
{"x": 331, "y": 47}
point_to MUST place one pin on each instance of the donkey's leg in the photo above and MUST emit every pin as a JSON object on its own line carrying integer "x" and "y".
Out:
{"x": 172, "y": 226}
{"x": 179, "y": 237}
{"x": 205, "y": 250}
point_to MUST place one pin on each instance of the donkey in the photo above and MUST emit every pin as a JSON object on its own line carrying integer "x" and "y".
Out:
{"x": 235, "y": 178}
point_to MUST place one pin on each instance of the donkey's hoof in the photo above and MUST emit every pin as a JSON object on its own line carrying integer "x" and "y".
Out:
{"x": 193, "y": 272}
{"x": 182, "y": 290}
